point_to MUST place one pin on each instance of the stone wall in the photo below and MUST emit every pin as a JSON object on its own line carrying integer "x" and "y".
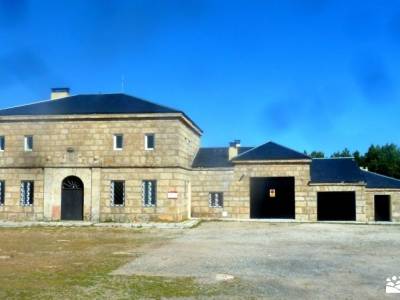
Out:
{"x": 361, "y": 208}
{"x": 89, "y": 143}
{"x": 12, "y": 209}
{"x": 171, "y": 179}
{"x": 235, "y": 184}
{"x": 394, "y": 200}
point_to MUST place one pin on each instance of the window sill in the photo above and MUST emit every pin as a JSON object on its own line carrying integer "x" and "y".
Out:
{"x": 117, "y": 206}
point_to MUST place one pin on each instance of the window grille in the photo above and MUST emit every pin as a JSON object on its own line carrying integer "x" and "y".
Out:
{"x": 149, "y": 192}
{"x": 27, "y": 189}
{"x": 216, "y": 199}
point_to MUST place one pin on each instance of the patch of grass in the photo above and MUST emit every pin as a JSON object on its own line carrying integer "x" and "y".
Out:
{"x": 75, "y": 263}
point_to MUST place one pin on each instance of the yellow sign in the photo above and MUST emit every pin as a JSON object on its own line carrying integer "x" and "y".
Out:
{"x": 272, "y": 193}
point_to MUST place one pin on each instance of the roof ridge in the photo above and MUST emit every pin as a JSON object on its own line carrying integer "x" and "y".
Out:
{"x": 248, "y": 151}
{"x": 289, "y": 148}
{"x": 270, "y": 142}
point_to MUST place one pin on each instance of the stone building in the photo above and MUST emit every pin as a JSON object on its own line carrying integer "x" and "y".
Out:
{"x": 114, "y": 157}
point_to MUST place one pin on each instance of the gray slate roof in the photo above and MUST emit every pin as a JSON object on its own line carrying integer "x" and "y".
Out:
{"x": 91, "y": 104}
{"x": 335, "y": 170}
{"x": 375, "y": 180}
{"x": 271, "y": 151}
{"x": 217, "y": 157}
{"x": 323, "y": 170}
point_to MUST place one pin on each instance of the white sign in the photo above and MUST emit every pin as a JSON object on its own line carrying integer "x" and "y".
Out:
{"x": 172, "y": 195}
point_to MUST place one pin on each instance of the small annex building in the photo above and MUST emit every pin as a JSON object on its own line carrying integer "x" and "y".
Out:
{"x": 115, "y": 157}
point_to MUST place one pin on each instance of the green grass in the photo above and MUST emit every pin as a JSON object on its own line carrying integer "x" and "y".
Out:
{"x": 75, "y": 263}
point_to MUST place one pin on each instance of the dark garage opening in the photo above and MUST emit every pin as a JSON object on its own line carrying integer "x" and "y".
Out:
{"x": 272, "y": 197}
{"x": 382, "y": 208}
{"x": 336, "y": 206}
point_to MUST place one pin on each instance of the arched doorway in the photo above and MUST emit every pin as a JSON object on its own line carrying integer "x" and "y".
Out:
{"x": 72, "y": 199}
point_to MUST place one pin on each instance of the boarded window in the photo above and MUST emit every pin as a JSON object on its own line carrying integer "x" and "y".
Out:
{"x": 28, "y": 143}
{"x": 216, "y": 199}
{"x": 117, "y": 193}
{"x": 149, "y": 192}
{"x": 27, "y": 190}
{"x": 149, "y": 141}
{"x": 118, "y": 141}
{"x": 2, "y": 143}
{"x": 2, "y": 190}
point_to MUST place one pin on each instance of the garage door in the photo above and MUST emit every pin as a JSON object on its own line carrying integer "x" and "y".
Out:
{"x": 336, "y": 206}
{"x": 272, "y": 197}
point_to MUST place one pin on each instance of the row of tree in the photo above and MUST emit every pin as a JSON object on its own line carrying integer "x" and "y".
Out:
{"x": 380, "y": 159}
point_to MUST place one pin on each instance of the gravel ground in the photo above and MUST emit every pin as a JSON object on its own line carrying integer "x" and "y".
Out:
{"x": 324, "y": 261}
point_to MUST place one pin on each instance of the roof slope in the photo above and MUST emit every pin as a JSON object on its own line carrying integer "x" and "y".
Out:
{"x": 117, "y": 103}
{"x": 335, "y": 170}
{"x": 270, "y": 151}
{"x": 375, "y": 180}
{"x": 89, "y": 104}
{"x": 215, "y": 157}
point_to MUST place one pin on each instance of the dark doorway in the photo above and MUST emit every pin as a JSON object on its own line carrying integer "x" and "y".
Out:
{"x": 382, "y": 208}
{"x": 336, "y": 206}
{"x": 72, "y": 199}
{"x": 272, "y": 197}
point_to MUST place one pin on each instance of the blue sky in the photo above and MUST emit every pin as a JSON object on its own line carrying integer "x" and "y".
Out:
{"x": 312, "y": 75}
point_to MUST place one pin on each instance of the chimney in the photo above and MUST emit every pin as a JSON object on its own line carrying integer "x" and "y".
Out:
{"x": 57, "y": 93}
{"x": 233, "y": 149}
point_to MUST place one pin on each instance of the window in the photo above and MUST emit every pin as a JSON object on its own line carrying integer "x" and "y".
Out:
{"x": 26, "y": 193}
{"x": 216, "y": 199}
{"x": 118, "y": 142}
{"x": 28, "y": 143}
{"x": 149, "y": 192}
{"x": 149, "y": 141}
{"x": 2, "y": 190}
{"x": 2, "y": 143}
{"x": 117, "y": 193}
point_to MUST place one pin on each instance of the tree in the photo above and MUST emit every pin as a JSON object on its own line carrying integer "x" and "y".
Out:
{"x": 317, "y": 154}
{"x": 384, "y": 159}
{"x": 359, "y": 158}
{"x": 345, "y": 153}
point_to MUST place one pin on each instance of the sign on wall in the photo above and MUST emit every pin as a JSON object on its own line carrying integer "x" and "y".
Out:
{"x": 172, "y": 195}
{"x": 272, "y": 193}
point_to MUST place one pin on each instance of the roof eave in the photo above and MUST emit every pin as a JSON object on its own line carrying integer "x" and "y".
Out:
{"x": 360, "y": 183}
{"x": 94, "y": 116}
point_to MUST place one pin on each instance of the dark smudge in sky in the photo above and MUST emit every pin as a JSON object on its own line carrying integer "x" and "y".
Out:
{"x": 26, "y": 68}
{"x": 374, "y": 79}
{"x": 12, "y": 12}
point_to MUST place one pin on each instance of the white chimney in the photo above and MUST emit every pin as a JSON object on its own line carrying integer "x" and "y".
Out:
{"x": 57, "y": 93}
{"x": 233, "y": 149}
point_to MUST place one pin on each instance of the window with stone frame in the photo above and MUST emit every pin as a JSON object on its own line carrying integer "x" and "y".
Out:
{"x": 149, "y": 141}
{"x": 27, "y": 192}
{"x": 117, "y": 193}
{"x": 28, "y": 143}
{"x": 2, "y": 192}
{"x": 118, "y": 141}
{"x": 216, "y": 199}
{"x": 149, "y": 192}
